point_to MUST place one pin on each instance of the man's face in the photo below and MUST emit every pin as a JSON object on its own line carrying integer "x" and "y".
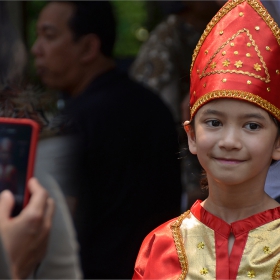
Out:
{"x": 57, "y": 55}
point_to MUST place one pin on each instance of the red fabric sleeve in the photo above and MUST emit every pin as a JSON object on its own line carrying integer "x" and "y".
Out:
{"x": 157, "y": 258}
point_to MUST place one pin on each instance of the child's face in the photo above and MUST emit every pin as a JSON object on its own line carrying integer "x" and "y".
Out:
{"x": 234, "y": 141}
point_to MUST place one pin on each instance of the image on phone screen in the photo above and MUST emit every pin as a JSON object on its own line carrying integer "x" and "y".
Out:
{"x": 14, "y": 153}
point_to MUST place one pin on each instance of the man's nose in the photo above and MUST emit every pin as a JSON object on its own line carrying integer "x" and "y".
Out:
{"x": 36, "y": 49}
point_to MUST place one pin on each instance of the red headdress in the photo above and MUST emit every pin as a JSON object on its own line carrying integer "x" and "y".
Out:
{"x": 238, "y": 56}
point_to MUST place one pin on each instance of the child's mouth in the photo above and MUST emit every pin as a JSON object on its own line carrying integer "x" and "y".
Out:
{"x": 229, "y": 161}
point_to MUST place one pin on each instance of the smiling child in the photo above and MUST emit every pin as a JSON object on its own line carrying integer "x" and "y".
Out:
{"x": 234, "y": 130}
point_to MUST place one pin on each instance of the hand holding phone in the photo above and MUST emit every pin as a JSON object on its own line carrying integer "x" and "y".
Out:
{"x": 25, "y": 237}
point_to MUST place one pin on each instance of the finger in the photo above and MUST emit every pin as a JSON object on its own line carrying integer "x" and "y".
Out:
{"x": 38, "y": 199}
{"x": 45, "y": 230}
{"x": 33, "y": 185}
{"x": 49, "y": 212}
{"x": 7, "y": 202}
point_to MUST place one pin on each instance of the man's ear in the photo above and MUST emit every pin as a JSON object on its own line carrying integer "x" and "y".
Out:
{"x": 276, "y": 151}
{"x": 90, "y": 47}
{"x": 191, "y": 137}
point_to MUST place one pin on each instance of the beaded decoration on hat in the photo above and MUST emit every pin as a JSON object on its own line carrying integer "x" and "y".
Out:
{"x": 238, "y": 56}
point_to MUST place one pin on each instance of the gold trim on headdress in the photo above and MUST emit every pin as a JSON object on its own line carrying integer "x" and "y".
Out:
{"x": 237, "y": 94}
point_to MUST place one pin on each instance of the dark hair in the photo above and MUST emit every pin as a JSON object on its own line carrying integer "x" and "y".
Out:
{"x": 94, "y": 17}
{"x": 277, "y": 123}
{"x": 203, "y": 176}
{"x": 172, "y": 7}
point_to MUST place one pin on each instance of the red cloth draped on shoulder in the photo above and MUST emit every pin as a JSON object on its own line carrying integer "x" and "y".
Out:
{"x": 157, "y": 258}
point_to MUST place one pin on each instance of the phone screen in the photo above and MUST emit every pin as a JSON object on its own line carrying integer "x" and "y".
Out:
{"x": 14, "y": 154}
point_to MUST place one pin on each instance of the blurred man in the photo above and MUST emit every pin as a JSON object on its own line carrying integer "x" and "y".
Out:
{"x": 128, "y": 169}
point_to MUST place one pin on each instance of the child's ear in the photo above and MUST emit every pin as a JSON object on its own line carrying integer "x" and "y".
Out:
{"x": 276, "y": 151}
{"x": 191, "y": 137}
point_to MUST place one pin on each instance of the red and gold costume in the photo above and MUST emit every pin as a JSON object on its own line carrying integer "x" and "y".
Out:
{"x": 195, "y": 246}
{"x": 238, "y": 56}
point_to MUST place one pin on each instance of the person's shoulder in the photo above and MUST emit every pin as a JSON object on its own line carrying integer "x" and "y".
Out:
{"x": 158, "y": 254}
{"x": 165, "y": 232}
{"x": 162, "y": 230}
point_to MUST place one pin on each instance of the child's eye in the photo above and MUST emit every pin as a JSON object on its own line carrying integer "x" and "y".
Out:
{"x": 214, "y": 123}
{"x": 252, "y": 126}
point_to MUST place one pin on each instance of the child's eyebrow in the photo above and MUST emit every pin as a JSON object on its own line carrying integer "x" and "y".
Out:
{"x": 245, "y": 116}
{"x": 212, "y": 112}
{"x": 254, "y": 115}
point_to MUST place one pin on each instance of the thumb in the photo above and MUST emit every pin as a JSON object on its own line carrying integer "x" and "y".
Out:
{"x": 7, "y": 202}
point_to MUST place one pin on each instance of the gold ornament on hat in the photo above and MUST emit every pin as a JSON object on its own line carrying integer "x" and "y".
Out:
{"x": 238, "y": 65}
{"x": 257, "y": 67}
{"x": 213, "y": 65}
{"x": 226, "y": 63}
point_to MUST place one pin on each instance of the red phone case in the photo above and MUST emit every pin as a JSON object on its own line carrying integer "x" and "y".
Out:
{"x": 32, "y": 148}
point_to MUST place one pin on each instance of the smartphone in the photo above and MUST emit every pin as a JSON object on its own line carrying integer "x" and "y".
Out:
{"x": 18, "y": 142}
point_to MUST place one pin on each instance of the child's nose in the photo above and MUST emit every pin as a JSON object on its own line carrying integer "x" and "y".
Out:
{"x": 230, "y": 139}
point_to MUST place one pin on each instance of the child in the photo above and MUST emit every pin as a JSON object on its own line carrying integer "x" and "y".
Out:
{"x": 235, "y": 110}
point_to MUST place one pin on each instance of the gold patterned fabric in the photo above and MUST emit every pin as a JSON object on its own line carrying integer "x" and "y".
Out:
{"x": 200, "y": 247}
{"x": 262, "y": 252}
{"x": 201, "y": 239}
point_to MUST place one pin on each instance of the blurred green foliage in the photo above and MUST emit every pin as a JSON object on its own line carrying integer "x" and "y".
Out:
{"x": 131, "y": 15}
